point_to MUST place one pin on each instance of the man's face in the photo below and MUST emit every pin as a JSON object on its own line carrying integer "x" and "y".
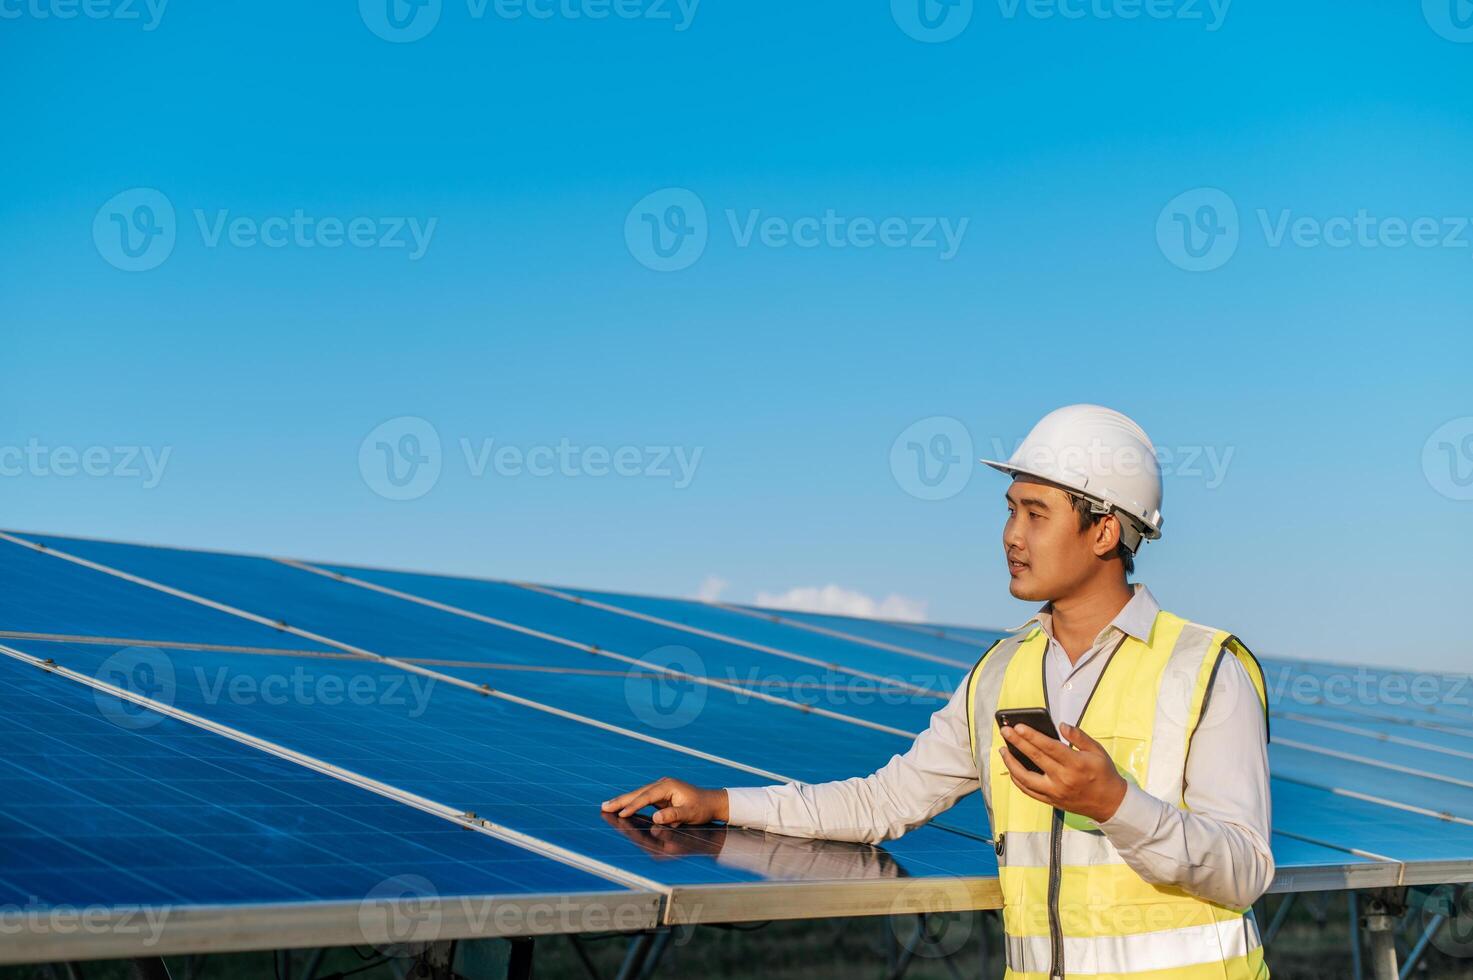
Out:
{"x": 1048, "y": 555}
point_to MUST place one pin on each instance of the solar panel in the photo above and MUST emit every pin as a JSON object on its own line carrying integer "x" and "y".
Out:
{"x": 912, "y": 636}
{"x": 534, "y": 772}
{"x": 515, "y": 710}
{"x": 162, "y": 834}
{"x": 395, "y": 627}
{"x": 699, "y": 615}
{"x": 40, "y": 594}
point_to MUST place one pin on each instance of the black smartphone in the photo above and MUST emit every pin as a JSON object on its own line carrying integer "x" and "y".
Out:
{"x": 1035, "y": 718}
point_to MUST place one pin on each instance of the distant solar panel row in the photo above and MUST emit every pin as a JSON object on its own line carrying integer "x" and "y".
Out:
{"x": 520, "y": 707}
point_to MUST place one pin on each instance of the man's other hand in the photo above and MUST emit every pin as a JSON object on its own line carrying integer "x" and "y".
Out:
{"x": 675, "y": 803}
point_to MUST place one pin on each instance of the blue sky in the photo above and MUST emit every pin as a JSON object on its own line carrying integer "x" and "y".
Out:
{"x": 1306, "y": 361}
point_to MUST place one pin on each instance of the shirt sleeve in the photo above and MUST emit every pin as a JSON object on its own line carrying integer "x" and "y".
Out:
{"x": 1218, "y": 848}
{"x": 935, "y": 772}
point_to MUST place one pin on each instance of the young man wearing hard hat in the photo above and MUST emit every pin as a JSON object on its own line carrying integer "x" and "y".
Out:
{"x": 1141, "y": 845}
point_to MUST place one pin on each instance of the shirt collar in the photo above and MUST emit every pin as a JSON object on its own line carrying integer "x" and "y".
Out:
{"x": 1135, "y": 618}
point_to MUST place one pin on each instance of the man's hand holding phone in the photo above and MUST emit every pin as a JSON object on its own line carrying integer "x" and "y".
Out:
{"x": 1081, "y": 779}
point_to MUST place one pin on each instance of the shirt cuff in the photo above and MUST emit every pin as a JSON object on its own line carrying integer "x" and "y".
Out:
{"x": 1135, "y": 820}
{"x": 748, "y": 806}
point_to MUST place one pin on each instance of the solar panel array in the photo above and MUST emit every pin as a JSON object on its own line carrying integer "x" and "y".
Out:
{"x": 213, "y": 751}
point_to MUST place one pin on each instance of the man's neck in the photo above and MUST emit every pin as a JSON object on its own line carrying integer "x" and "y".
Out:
{"x": 1078, "y": 619}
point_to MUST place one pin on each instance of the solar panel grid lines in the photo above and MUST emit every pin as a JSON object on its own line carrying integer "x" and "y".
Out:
{"x": 779, "y": 617}
{"x": 40, "y": 594}
{"x": 242, "y": 577}
{"x": 156, "y": 837}
{"x": 1321, "y": 779}
{"x": 1337, "y": 772}
{"x": 952, "y": 633}
{"x": 1347, "y": 849}
{"x": 460, "y": 817}
{"x": 181, "y": 644}
{"x": 590, "y": 648}
{"x": 970, "y": 810}
{"x": 761, "y": 632}
{"x": 345, "y": 644}
{"x": 1377, "y": 763}
{"x": 479, "y": 763}
{"x": 586, "y": 600}
{"x": 482, "y": 689}
{"x": 1378, "y": 734}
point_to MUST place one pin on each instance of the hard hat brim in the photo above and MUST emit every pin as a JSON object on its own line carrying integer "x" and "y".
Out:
{"x": 1148, "y": 531}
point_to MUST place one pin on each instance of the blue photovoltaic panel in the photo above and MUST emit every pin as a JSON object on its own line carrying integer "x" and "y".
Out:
{"x": 395, "y": 627}
{"x": 800, "y": 746}
{"x": 1344, "y": 821}
{"x": 537, "y": 773}
{"x": 1444, "y": 737}
{"x": 1423, "y": 757}
{"x": 1441, "y": 698}
{"x": 43, "y": 594}
{"x": 485, "y": 754}
{"x": 911, "y": 637}
{"x": 1322, "y": 769}
{"x": 1291, "y": 853}
{"x": 727, "y": 662}
{"x": 528, "y": 770}
{"x": 705, "y": 616}
{"x": 105, "y": 802}
{"x": 751, "y": 731}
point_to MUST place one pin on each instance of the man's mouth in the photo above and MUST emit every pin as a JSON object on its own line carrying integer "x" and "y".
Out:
{"x": 1016, "y": 567}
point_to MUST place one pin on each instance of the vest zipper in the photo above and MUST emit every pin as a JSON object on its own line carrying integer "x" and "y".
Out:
{"x": 1056, "y": 830}
{"x": 1055, "y": 873}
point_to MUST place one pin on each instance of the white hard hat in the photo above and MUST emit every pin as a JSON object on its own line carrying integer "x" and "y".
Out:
{"x": 1104, "y": 457}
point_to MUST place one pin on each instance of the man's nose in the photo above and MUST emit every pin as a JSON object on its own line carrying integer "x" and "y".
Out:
{"x": 1011, "y": 537}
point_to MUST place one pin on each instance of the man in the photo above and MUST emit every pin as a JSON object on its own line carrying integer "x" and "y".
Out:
{"x": 1141, "y": 846}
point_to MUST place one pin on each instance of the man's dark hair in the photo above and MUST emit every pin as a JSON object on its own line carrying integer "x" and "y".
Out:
{"x": 1087, "y": 519}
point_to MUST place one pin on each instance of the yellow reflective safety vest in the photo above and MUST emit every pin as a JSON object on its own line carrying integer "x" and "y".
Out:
{"x": 1071, "y": 906}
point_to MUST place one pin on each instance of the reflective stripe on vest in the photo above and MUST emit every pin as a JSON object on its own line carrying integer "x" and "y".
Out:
{"x": 1170, "y": 949}
{"x": 1070, "y": 901}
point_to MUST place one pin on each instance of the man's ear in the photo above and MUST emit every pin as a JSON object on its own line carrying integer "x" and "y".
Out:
{"x": 1107, "y": 535}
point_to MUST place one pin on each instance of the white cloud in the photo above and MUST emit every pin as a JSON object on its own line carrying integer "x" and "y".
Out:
{"x": 711, "y": 588}
{"x": 844, "y": 602}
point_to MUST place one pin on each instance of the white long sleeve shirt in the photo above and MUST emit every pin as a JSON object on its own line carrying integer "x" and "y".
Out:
{"x": 1217, "y": 849}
